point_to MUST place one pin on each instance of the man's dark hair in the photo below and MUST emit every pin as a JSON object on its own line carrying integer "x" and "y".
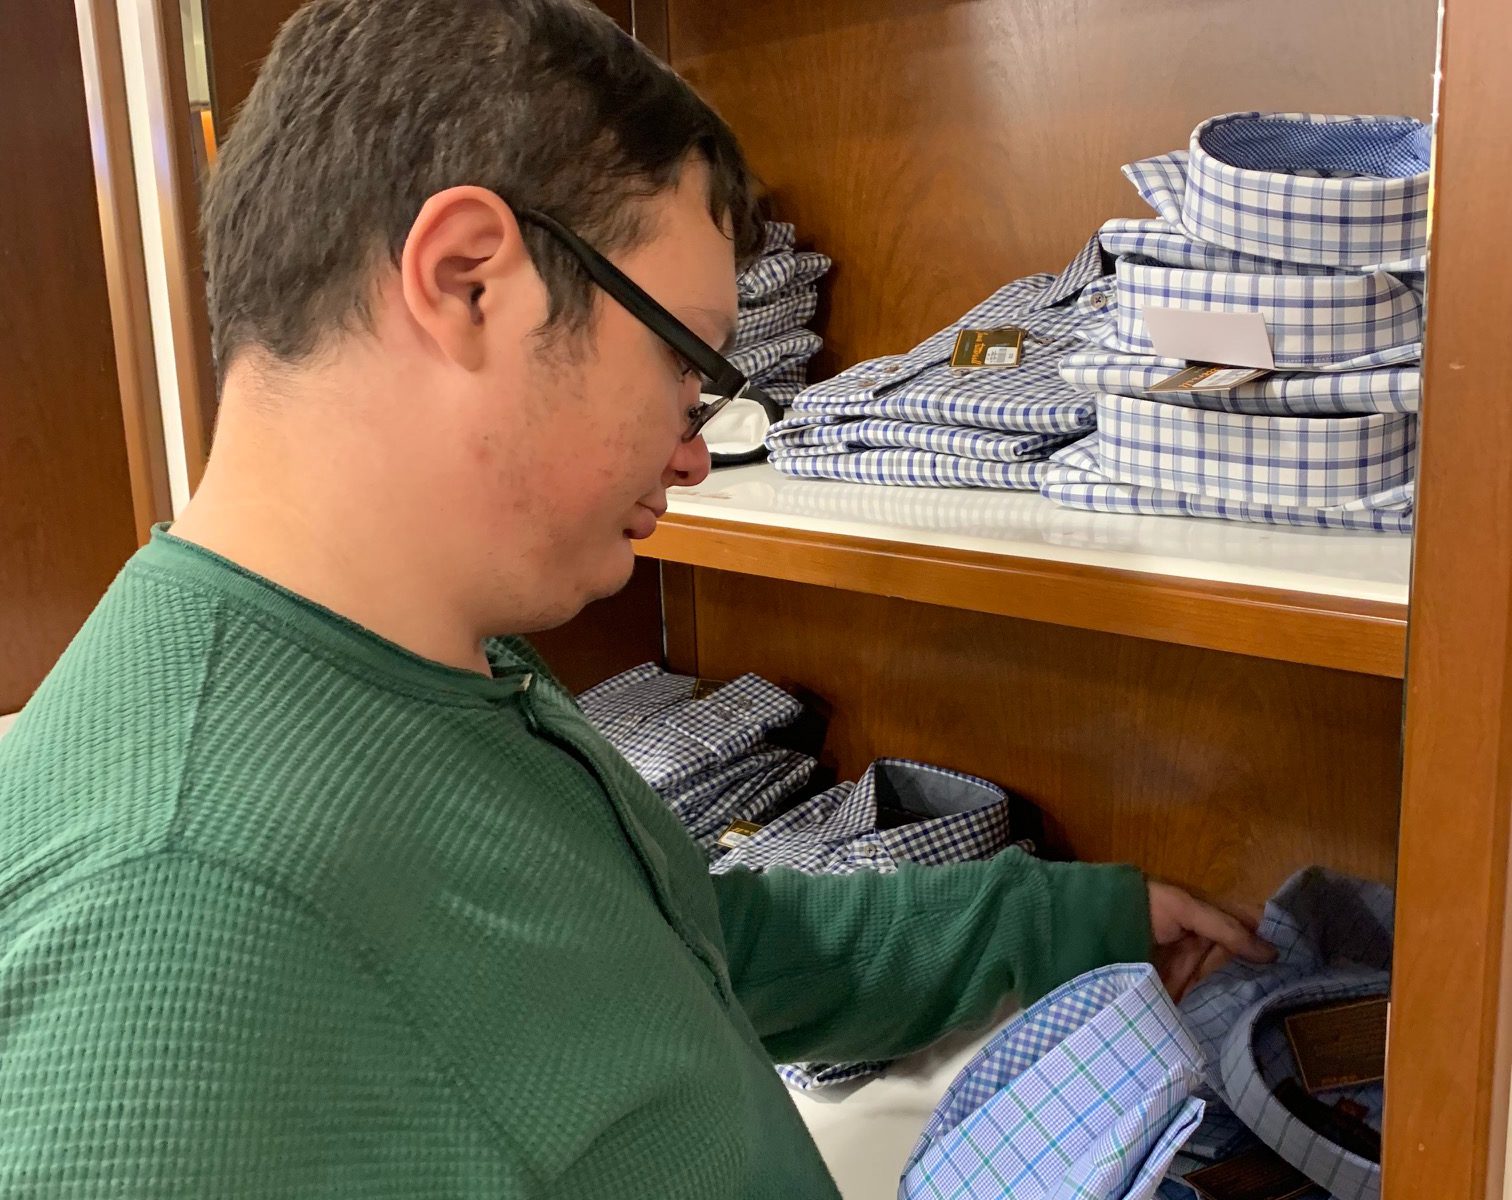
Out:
{"x": 366, "y": 108}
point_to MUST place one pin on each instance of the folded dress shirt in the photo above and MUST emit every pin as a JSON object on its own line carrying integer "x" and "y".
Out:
{"x": 778, "y": 295}
{"x": 1087, "y": 1095}
{"x": 1341, "y": 191}
{"x": 1333, "y": 935}
{"x": 848, "y": 427}
{"x": 1300, "y": 462}
{"x": 899, "y": 811}
{"x": 1282, "y": 394}
{"x": 1337, "y": 322}
{"x": 706, "y": 755}
{"x": 1078, "y": 479}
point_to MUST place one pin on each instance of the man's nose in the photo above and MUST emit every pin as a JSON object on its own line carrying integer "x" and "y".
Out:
{"x": 689, "y": 464}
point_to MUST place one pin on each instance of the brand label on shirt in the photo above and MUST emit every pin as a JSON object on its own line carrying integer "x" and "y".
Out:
{"x": 976, "y": 348}
{"x": 1340, "y": 1045}
{"x": 737, "y": 832}
{"x": 1258, "y": 1174}
{"x": 1204, "y": 378}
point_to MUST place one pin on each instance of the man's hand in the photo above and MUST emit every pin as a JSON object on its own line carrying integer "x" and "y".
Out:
{"x": 1193, "y": 939}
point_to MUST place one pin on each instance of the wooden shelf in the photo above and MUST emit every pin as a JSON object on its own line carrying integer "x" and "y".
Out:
{"x": 1321, "y": 597}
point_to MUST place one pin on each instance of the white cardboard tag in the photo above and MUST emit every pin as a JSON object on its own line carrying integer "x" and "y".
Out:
{"x": 1233, "y": 339}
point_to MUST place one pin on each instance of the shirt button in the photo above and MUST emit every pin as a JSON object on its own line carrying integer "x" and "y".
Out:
{"x": 889, "y": 370}
{"x": 524, "y": 685}
{"x": 1098, "y": 299}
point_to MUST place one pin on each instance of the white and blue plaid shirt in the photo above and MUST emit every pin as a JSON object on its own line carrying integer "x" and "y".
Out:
{"x": 1088, "y": 1094}
{"x": 1281, "y": 394}
{"x": 1333, "y": 935}
{"x": 1296, "y": 462}
{"x": 1076, "y": 478}
{"x": 778, "y": 295}
{"x": 707, "y": 758}
{"x": 898, "y": 812}
{"x": 909, "y": 419}
{"x": 1339, "y": 191}
{"x": 1338, "y": 322}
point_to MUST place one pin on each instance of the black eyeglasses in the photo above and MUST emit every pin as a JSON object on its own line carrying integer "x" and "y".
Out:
{"x": 722, "y": 379}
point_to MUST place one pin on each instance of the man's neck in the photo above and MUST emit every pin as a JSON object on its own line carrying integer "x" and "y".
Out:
{"x": 323, "y": 531}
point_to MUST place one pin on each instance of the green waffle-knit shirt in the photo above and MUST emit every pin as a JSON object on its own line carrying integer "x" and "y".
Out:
{"x": 288, "y": 911}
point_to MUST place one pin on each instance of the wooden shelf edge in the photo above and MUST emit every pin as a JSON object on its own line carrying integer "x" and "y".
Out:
{"x": 1364, "y": 636}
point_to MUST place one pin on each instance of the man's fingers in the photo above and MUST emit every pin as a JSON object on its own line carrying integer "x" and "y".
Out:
{"x": 1227, "y": 931}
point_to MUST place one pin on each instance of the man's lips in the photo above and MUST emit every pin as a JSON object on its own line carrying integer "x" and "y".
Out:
{"x": 643, "y": 524}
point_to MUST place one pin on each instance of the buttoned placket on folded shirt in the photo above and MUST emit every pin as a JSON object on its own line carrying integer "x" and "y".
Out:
{"x": 1088, "y": 1093}
{"x": 752, "y": 788}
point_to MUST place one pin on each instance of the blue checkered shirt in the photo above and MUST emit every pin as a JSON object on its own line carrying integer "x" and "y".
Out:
{"x": 1086, "y": 1095}
{"x": 1280, "y": 394}
{"x": 1077, "y": 478}
{"x": 1333, "y": 935}
{"x": 831, "y": 437}
{"x": 784, "y": 313}
{"x": 1336, "y": 322}
{"x": 707, "y": 758}
{"x": 909, "y": 419}
{"x": 950, "y": 817}
{"x": 758, "y": 362}
{"x": 914, "y": 468}
{"x": 778, "y": 295}
{"x": 1335, "y": 191}
{"x": 779, "y": 267}
{"x": 1298, "y": 462}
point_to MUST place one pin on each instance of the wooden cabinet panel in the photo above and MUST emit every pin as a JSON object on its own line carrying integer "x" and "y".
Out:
{"x": 939, "y": 148}
{"x": 1214, "y": 770}
{"x": 66, "y": 520}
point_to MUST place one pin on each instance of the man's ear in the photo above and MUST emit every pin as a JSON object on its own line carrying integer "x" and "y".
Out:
{"x": 460, "y": 268}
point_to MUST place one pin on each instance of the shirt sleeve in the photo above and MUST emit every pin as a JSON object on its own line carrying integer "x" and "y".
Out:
{"x": 174, "y": 1029}
{"x": 873, "y": 966}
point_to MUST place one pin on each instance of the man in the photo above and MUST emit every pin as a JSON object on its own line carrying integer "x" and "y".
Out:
{"x": 310, "y": 890}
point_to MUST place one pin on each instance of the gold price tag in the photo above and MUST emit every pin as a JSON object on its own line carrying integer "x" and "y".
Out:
{"x": 975, "y": 348}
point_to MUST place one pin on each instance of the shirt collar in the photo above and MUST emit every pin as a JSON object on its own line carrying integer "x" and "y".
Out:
{"x": 1088, "y": 265}
{"x": 1346, "y": 192}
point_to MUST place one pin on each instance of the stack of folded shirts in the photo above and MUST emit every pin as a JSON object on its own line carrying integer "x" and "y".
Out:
{"x": 702, "y": 748}
{"x": 1317, "y": 223}
{"x": 913, "y": 419}
{"x": 778, "y": 294}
